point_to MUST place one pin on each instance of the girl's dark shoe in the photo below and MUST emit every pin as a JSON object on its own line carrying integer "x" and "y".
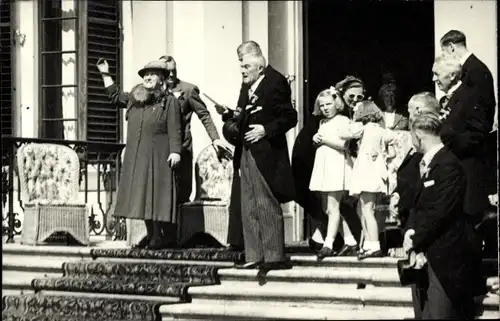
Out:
{"x": 325, "y": 252}
{"x": 370, "y": 254}
{"x": 315, "y": 246}
{"x": 348, "y": 250}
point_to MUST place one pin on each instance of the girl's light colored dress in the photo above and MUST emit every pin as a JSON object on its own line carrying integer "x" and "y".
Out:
{"x": 370, "y": 173}
{"x": 332, "y": 167}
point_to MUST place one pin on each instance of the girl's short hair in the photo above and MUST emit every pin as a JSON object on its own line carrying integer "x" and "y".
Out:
{"x": 368, "y": 112}
{"x": 332, "y": 92}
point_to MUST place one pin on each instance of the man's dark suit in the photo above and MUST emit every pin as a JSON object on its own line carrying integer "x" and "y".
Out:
{"x": 444, "y": 234}
{"x": 271, "y": 152}
{"x": 465, "y": 131}
{"x": 477, "y": 76}
{"x": 190, "y": 101}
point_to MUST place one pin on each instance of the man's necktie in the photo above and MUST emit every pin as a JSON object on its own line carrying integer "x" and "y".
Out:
{"x": 445, "y": 110}
{"x": 423, "y": 168}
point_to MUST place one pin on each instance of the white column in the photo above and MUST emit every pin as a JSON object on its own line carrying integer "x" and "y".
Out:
{"x": 477, "y": 20}
{"x": 256, "y": 24}
{"x": 149, "y": 33}
{"x": 26, "y": 105}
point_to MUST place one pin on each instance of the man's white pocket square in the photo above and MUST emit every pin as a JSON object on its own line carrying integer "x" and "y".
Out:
{"x": 429, "y": 183}
{"x": 256, "y": 109}
{"x": 177, "y": 94}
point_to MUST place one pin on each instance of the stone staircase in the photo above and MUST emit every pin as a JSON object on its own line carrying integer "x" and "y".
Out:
{"x": 334, "y": 288}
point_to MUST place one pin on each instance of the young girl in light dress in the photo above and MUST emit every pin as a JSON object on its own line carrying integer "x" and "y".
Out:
{"x": 369, "y": 175}
{"x": 332, "y": 164}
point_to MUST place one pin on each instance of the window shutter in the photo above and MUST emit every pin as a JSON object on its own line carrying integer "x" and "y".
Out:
{"x": 6, "y": 67}
{"x": 103, "y": 41}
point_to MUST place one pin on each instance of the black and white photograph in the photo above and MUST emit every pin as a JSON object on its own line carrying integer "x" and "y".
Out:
{"x": 184, "y": 160}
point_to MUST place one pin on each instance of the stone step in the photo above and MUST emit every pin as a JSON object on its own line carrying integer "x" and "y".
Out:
{"x": 314, "y": 292}
{"x": 150, "y": 298}
{"x": 15, "y": 280}
{"x": 357, "y": 275}
{"x": 134, "y": 260}
{"x": 249, "y": 310}
{"x": 343, "y": 261}
{"x": 21, "y": 262}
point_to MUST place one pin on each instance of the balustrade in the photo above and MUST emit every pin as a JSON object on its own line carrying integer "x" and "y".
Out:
{"x": 101, "y": 158}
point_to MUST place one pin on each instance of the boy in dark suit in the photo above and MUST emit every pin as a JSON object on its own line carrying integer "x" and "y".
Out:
{"x": 438, "y": 229}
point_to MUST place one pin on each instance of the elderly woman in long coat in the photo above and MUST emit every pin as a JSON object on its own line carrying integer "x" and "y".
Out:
{"x": 147, "y": 188}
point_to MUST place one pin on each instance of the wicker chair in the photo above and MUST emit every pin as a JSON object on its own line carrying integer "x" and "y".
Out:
{"x": 49, "y": 183}
{"x": 209, "y": 212}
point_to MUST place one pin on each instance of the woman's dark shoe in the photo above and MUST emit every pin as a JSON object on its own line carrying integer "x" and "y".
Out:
{"x": 155, "y": 244}
{"x": 315, "y": 246}
{"x": 142, "y": 243}
{"x": 370, "y": 254}
{"x": 149, "y": 234}
{"x": 325, "y": 252}
{"x": 348, "y": 250}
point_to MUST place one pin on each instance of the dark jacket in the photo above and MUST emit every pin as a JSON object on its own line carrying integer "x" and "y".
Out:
{"x": 408, "y": 173}
{"x": 465, "y": 132}
{"x": 477, "y": 76}
{"x": 303, "y": 155}
{"x": 190, "y": 101}
{"x": 442, "y": 229}
{"x": 277, "y": 116}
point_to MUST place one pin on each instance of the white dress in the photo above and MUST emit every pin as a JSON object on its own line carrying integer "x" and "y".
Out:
{"x": 370, "y": 172}
{"x": 332, "y": 167}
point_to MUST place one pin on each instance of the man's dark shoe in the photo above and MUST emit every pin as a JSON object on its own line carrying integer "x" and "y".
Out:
{"x": 248, "y": 265}
{"x": 348, "y": 250}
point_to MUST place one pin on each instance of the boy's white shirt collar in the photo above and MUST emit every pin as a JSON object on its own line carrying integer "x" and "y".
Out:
{"x": 465, "y": 57}
{"x": 427, "y": 158}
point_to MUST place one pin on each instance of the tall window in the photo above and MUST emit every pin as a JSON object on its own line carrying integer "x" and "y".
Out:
{"x": 6, "y": 67}
{"x": 73, "y": 36}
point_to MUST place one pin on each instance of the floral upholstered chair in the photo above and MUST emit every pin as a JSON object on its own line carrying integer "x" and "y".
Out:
{"x": 209, "y": 212}
{"x": 49, "y": 183}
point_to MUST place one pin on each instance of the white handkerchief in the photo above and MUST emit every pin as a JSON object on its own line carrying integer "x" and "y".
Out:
{"x": 177, "y": 94}
{"x": 429, "y": 183}
{"x": 258, "y": 108}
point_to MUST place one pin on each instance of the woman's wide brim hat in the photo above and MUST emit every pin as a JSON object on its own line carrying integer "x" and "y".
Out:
{"x": 155, "y": 66}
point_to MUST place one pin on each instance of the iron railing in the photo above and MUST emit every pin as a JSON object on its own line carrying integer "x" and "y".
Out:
{"x": 104, "y": 157}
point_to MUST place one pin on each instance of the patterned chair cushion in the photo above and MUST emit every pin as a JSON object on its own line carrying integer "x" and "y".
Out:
{"x": 213, "y": 176}
{"x": 48, "y": 173}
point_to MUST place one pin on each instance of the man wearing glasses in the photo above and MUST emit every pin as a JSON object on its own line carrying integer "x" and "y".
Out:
{"x": 190, "y": 101}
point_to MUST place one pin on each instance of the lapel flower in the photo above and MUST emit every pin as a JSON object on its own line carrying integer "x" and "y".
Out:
{"x": 253, "y": 98}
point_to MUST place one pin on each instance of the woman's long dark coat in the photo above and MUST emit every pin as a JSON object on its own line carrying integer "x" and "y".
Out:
{"x": 147, "y": 185}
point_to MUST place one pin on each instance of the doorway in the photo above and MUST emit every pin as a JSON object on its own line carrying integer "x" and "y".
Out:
{"x": 367, "y": 39}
